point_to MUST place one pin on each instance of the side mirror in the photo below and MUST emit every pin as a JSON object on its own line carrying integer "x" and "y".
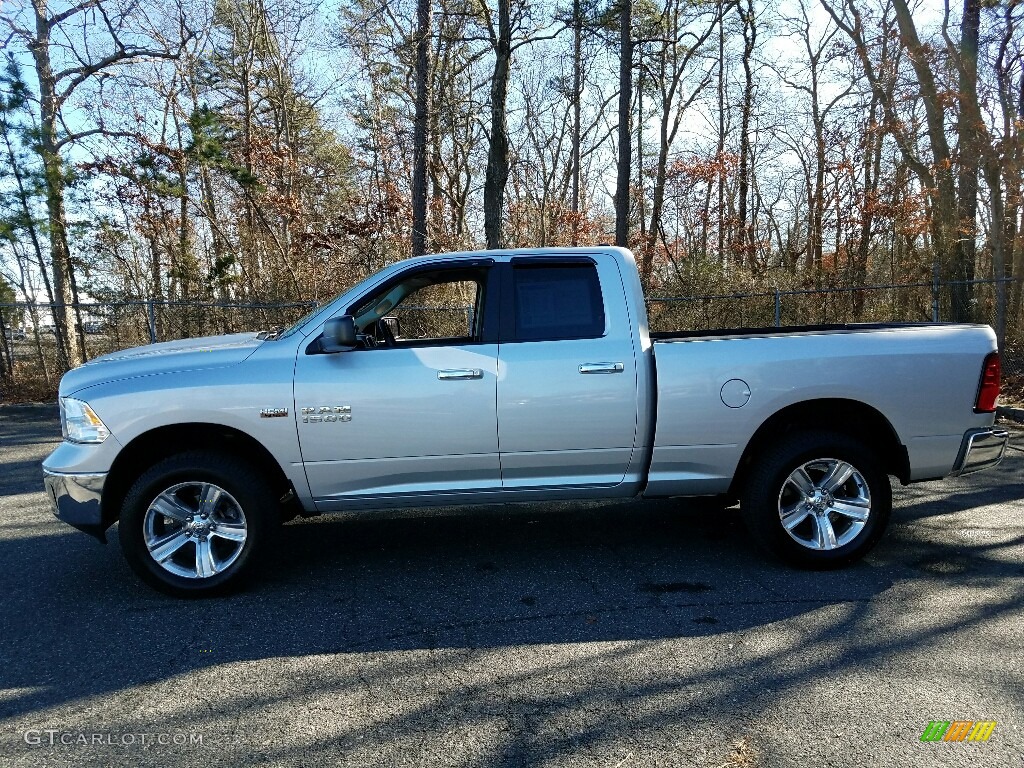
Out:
{"x": 339, "y": 335}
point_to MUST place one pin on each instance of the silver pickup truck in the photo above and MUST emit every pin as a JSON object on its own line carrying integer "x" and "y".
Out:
{"x": 502, "y": 376}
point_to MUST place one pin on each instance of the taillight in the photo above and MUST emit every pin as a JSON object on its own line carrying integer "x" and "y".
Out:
{"x": 988, "y": 390}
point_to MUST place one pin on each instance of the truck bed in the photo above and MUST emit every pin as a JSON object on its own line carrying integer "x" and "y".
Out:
{"x": 711, "y": 397}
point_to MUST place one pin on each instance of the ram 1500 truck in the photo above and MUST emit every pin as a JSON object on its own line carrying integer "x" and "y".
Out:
{"x": 501, "y": 376}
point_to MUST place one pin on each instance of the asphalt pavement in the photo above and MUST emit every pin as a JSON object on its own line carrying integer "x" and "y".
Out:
{"x": 642, "y": 634}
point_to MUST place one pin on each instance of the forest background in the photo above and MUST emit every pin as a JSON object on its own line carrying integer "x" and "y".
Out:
{"x": 184, "y": 155}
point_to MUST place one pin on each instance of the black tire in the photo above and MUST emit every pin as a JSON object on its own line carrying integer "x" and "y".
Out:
{"x": 772, "y": 494}
{"x": 240, "y": 503}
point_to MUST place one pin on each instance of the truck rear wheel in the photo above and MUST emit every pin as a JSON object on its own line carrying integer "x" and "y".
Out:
{"x": 817, "y": 499}
{"x": 196, "y": 523}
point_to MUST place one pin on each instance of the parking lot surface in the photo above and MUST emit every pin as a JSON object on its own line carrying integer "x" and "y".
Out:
{"x": 642, "y": 634}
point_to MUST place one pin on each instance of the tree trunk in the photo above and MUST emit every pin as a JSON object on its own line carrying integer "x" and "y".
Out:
{"x": 641, "y": 214}
{"x": 744, "y": 236}
{"x": 156, "y": 277}
{"x": 53, "y": 171}
{"x": 76, "y": 315}
{"x": 420, "y": 128}
{"x": 625, "y": 135}
{"x": 1010, "y": 78}
{"x": 969, "y": 126}
{"x": 497, "y": 154}
{"x": 577, "y": 97}
{"x": 186, "y": 270}
{"x": 872, "y": 162}
{"x": 657, "y": 203}
{"x": 1017, "y": 297}
{"x": 720, "y": 154}
{"x": 817, "y": 202}
{"x": 992, "y": 176}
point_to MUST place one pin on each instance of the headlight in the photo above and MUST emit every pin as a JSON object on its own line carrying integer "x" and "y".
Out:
{"x": 79, "y": 422}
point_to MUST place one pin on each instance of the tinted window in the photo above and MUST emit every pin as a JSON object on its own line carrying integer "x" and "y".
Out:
{"x": 558, "y": 302}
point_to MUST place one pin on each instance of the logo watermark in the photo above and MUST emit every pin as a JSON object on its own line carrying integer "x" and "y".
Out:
{"x": 958, "y": 730}
{"x": 51, "y": 737}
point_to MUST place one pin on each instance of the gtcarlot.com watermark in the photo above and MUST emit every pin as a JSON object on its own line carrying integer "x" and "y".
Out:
{"x": 51, "y": 737}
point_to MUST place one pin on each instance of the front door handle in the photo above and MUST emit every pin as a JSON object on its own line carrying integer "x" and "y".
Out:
{"x": 458, "y": 374}
{"x": 602, "y": 368}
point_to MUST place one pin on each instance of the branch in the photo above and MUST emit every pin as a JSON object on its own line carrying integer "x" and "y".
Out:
{"x": 528, "y": 40}
{"x": 16, "y": 30}
{"x": 65, "y": 15}
{"x": 836, "y": 100}
{"x": 79, "y": 135}
{"x": 906, "y": 149}
{"x": 124, "y": 55}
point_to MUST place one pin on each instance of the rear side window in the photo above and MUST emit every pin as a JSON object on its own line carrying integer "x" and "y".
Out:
{"x": 557, "y": 302}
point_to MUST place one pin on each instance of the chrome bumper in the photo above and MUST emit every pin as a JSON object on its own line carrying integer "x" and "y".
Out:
{"x": 981, "y": 449}
{"x": 76, "y": 500}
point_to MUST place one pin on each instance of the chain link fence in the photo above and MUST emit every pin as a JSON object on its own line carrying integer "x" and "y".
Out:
{"x": 906, "y": 302}
{"x": 28, "y": 350}
{"x": 107, "y": 327}
{"x": 28, "y": 345}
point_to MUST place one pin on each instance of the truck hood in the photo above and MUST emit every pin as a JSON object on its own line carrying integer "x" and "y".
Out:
{"x": 166, "y": 357}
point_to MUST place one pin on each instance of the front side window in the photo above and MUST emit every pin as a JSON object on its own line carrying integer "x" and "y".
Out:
{"x": 437, "y": 311}
{"x": 557, "y": 301}
{"x": 425, "y": 308}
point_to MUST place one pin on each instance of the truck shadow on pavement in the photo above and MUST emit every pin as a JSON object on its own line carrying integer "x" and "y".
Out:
{"x": 517, "y": 614}
{"x": 78, "y": 624}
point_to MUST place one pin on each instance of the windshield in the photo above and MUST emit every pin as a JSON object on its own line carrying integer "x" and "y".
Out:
{"x": 300, "y": 322}
{"x": 321, "y": 308}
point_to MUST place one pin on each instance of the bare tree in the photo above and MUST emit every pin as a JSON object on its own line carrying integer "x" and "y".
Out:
{"x": 666, "y": 70}
{"x": 92, "y": 38}
{"x": 936, "y": 173}
{"x": 819, "y": 52}
{"x": 1005, "y": 176}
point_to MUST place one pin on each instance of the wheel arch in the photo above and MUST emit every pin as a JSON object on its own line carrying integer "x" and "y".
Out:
{"x": 157, "y": 444}
{"x": 860, "y": 421}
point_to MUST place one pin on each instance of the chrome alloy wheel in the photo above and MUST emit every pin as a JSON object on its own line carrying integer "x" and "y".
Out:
{"x": 824, "y": 504}
{"x": 195, "y": 530}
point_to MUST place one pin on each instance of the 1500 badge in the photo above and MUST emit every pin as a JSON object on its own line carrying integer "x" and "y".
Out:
{"x": 324, "y": 413}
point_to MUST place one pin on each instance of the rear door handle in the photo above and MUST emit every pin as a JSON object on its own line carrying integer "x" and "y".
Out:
{"x": 602, "y": 368}
{"x": 457, "y": 374}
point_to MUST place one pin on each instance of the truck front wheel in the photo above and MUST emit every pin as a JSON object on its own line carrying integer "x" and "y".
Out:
{"x": 817, "y": 499}
{"x": 196, "y": 523}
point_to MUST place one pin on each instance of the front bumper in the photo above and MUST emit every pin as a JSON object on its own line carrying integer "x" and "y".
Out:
{"x": 76, "y": 500}
{"x": 981, "y": 449}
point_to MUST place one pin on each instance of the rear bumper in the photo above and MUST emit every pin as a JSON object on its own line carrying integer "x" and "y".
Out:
{"x": 981, "y": 449}
{"x": 75, "y": 499}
